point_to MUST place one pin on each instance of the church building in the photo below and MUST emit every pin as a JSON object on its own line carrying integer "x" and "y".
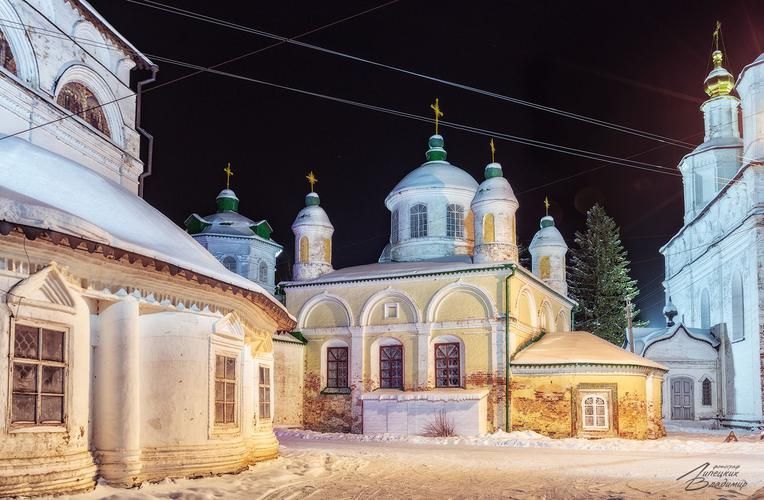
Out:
{"x": 431, "y": 328}
{"x": 128, "y": 352}
{"x": 714, "y": 265}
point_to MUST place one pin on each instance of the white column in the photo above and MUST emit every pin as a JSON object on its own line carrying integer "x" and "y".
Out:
{"x": 357, "y": 357}
{"x": 423, "y": 354}
{"x": 116, "y": 419}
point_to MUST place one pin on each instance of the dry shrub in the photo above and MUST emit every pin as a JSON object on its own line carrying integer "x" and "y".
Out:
{"x": 441, "y": 426}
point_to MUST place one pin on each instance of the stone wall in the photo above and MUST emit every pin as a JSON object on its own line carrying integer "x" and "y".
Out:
{"x": 289, "y": 374}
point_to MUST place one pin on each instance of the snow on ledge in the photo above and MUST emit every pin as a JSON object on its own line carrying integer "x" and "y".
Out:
{"x": 437, "y": 395}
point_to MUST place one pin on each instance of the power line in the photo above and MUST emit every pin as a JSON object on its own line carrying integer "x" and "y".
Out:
{"x": 594, "y": 121}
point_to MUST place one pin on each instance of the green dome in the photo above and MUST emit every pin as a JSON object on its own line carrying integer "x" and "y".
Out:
{"x": 312, "y": 199}
{"x": 227, "y": 201}
{"x": 436, "y": 151}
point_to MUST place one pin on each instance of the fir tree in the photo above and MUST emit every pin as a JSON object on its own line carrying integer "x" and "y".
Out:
{"x": 599, "y": 278}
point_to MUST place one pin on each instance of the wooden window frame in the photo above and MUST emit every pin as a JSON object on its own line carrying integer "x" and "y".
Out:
{"x": 77, "y": 94}
{"x": 388, "y": 382}
{"x": 335, "y": 382}
{"x": 265, "y": 392}
{"x": 39, "y": 363}
{"x": 226, "y": 381}
{"x": 445, "y": 382}
{"x": 7, "y": 58}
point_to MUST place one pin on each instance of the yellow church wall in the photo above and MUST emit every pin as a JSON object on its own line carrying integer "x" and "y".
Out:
{"x": 549, "y": 404}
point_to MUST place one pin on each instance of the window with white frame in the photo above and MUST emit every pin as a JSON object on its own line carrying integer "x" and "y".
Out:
{"x": 262, "y": 273}
{"x": 38, "y": 375}
{"x": 595, "y": 411}
{"x": 225, "y": 390}
{"x": 455, "y": 221}
{"x": 418, "y": 220}
{"x": 706, "y": 392}
{"x": 265, "y": 391}
{"x": 230, "y": 263}
{"x": 391, "y": 310}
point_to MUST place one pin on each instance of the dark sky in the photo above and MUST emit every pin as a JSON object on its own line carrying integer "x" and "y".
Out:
{"x": 635, "y": 63}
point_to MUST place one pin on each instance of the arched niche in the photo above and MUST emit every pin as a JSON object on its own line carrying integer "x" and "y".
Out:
{"x": 23, "y": 53}
{"x": 459, "y": 302}
{"x": 377, "y": 309}
{"x": 325, "y": 311}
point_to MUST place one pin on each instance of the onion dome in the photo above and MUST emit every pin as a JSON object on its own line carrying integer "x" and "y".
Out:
{"x": 227, "y": 220}
{"x": 669, "y": 310}
{"x": 312, "y": 214}
{"x": 548, "y": 235}
{"x": 719, "y": 81}
{"x": 495, "y": 187}
{"x": 435, "y": 173}
{"x": 227, "y": 201}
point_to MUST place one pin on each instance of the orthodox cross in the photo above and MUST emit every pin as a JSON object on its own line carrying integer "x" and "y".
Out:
{"x": 493, "y": 152}
{"x": 716, "y": 34}
{"x": 546, "y": 204}
{"x": 438, "y": 113}
{"x": 312, "y": 180}
{"x": 228, "y": 174}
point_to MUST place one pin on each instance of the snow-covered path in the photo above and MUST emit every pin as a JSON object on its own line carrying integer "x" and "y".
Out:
{"x": 349, "y": 468}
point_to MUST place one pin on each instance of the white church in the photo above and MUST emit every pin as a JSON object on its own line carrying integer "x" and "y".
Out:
{"x": 128, "y": 351}
{"x": 714, "y": 266}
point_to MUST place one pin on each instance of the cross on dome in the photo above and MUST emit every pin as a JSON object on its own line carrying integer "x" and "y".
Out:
{"x": 438, "y": 113}
{"x": 228, "y": 174}
{"x": 312, "y": 180}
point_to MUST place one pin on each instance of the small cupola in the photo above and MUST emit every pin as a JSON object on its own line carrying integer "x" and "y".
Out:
{"x": 227, "y": 201}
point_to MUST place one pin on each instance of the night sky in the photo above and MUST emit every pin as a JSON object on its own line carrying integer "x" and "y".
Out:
{"x": 638, "y": 64}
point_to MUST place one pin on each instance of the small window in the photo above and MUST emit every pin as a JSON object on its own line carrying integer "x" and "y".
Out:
{"x": 262, "y": 273}
{"x": 225, "y": 390}
{"x": 391, "y": 367}
{"x": 596, "y": 412}
{"x": 7, "y": 60}
{"x": 391, "y": 310}
{"x": 337, "y": 367}
{"x": 304, "y": 250}
{"x": 230, "y": 263}
{"x": 455, "y": 221}
{"x": 488, "y": 229}
{"x": 545, "y": 267}
{"x": 738, "y": 308}
{"x": 447, "y": 369}
{"x": 418, "y": 220}
{"x": 38, "y": 376}
{"x": 706, "y": 392}
{"x": 394, "y": 227}
{"x": 327, "y": 250}
{"x": 265, "y": 392}
{"x": 81, "y": 101}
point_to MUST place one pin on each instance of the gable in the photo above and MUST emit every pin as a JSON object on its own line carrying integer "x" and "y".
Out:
{"x": 680, "y": 346}
{"x": 46, "y": 288}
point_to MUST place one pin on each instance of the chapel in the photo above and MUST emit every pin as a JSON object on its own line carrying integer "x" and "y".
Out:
{"x": 713, "y": 340}
{"x": 129, "y": 352}
{"x": 433, "y": 326}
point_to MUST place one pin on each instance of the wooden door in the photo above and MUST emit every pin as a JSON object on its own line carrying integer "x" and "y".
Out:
{"x": 682, "y": 400}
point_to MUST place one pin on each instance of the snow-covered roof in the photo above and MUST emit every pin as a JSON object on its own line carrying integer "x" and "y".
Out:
{"x": 44, "y": 190}
{"x": 389, "y": 270}
{"x": 495, "y": 189}
{"x": 436, "y": 174}
{"x": 568, "y": 348}
{"x": 645, "y": 337}
{"x": 547, "y": 236}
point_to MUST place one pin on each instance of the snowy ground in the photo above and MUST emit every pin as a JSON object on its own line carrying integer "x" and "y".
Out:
{"x": 515, "y": 465}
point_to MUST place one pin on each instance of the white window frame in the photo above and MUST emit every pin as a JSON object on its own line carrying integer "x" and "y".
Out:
{"x": 454, "y": 220}
{"x": 260, "y": 402}
{"x": 418, "y": 221}
{"x": 605, "y": 396}
{"x": 391, "y": 310}
{"x": 222, "y": 347}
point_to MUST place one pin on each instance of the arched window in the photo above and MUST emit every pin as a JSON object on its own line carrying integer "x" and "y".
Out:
{"x": 488, "y": 229}
{"x": 705, "y": 310}
{"x": 738, "y": 308}
{"x": 595, "y": 412}
{"x": 230, "y": 263}
{"x": 418, "y": 220}
{"x": 7, "y": 60}
{"x": 706, "y": 392}
{"x": 327, "y": 250}
{"x": 391, "y": 366}
{"x": 545, "y": 267}
{"x": 447, "y": 365}
{"x": 304, "y": 250}
{"x": 262, "y": 273}
{"x": 78, "y": 99}
{"x": 455, "y": 221}
{"x": 394, "y": 225}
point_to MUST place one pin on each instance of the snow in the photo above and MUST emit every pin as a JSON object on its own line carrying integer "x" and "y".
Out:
{"x": 324, "y": 466}
{"x": 436, "y": 175}
{"x": 45, "y": 190}
{"x": 579, "y": 347}
{"x": 530, "y": 439}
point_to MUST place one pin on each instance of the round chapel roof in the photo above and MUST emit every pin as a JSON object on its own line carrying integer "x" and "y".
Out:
{"x": 548, "y": 235}
{"x": 495, "y": 187}
{"x": 436, "y": 173}
{"x": 312, "y": 214}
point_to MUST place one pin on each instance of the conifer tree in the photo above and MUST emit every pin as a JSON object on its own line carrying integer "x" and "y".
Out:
{"x": 599, "y": 278}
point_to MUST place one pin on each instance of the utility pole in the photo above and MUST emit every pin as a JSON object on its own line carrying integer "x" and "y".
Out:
{"x": 629, "y": 313}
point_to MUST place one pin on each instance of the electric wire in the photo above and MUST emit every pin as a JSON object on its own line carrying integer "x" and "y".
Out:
{"x": 567, "y": 114}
